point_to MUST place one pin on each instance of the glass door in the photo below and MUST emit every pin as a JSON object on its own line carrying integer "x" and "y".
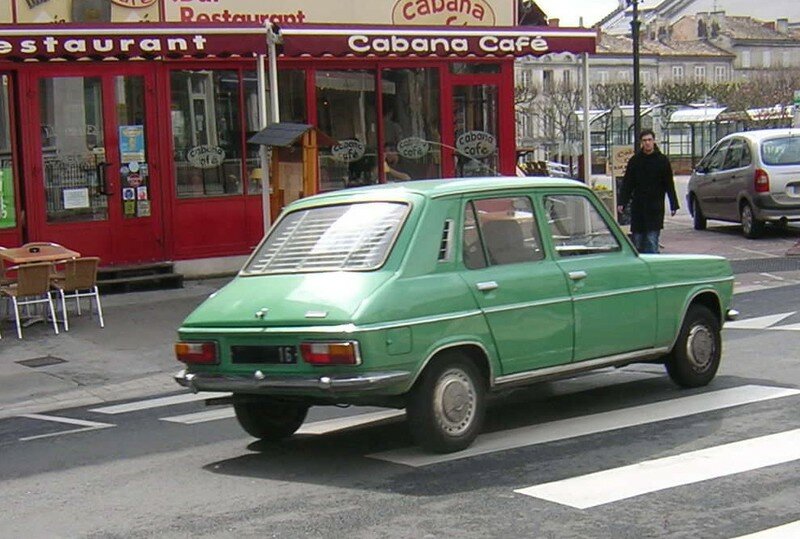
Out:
{"x": 97, "y": 166}
{"x": 473, "y": 148}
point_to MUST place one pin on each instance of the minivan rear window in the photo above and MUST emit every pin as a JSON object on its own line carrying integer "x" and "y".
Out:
{"x": 330, "y": 238}
{"x": 781, "y": 151}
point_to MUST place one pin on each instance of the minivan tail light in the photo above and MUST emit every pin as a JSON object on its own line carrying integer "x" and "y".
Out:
{"x": 331, "y": 353}
{"x": 203, "y": 353}
{"x": 761, "y": 181}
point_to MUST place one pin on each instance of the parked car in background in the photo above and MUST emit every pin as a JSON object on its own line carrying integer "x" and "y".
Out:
{"x": 430, "y": 295}
{"x": 750, "y": 178}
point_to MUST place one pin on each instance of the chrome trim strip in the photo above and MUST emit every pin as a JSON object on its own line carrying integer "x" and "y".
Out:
{"x": 578, "y": 366}
{"x": 695, "y": 283}
{"x": 542, "y": 303}
{"x": 620, "y": 292}
{"x": 258, "y": 382}
{"x": 340, "y": 328}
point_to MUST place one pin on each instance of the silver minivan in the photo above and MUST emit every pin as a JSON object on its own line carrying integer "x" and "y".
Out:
{"x": 752, "y": 177}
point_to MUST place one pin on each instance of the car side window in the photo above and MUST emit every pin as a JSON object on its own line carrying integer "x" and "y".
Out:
{"x": 506, "y": 232}
{"x": 733, "y": 158}
{"x": 576, "y": 227}
{"x": 747, "y": 157}
{"x": 718, "y": 157}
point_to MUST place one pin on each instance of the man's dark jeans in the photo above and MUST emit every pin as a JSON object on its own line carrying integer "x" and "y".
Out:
{"x": 646, "y": 242}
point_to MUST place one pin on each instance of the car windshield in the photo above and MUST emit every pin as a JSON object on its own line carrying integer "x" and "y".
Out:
{"x": 330, "y": 238}
{"x": 781, "y": 151}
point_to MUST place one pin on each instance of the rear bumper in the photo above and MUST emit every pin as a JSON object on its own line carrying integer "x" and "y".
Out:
{"x": 259, "y": 383}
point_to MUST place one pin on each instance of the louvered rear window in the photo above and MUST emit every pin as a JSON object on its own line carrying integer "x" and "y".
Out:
{"x": 331, "y": 238}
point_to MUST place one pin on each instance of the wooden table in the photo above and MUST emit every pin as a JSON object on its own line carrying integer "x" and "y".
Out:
{"x": 40, "y": 253}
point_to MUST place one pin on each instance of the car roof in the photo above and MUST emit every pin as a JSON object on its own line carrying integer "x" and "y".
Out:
{"x": 445, "y": 187}
{"x": 763, "y": 134}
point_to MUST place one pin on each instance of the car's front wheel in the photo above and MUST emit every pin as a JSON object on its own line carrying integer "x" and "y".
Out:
{"x": 446, "y": 407}
{"x": 267, "y": 418}
{"x": 698, "y": 218}
{"x": 695, "y": 358}
{"x": 751, "y": 227}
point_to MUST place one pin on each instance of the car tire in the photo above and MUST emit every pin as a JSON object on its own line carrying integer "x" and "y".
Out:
{"x": 267, "y": 418}
{"x": 446, "y": 407}
{"x": 752, "y": 228}
{"x": 695, "y": 358}
{"x": 698, "y": 218}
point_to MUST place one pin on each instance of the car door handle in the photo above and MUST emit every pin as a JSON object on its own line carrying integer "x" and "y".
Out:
{"x": 487, "y": 286}
{"x": 577, "y": 275}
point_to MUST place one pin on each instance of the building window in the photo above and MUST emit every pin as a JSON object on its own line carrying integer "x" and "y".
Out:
{"x": 547, "y": 81}
{"x": 412, "y": 145}
{"x": 623, "y": 75}
{"x": 207, "y": 133}
{"x": 745, "y": 59}
{"x": 292, "y": 98}
{"x": 647, "y": 78}
{"x": 720, "y": 73}
{"x": 766, "y": 59}
{"x": 699, "y": 73}
{"x": 677, "y": 73}
{"x": 787, "y": 58}
{"x": 602, "y": 76}
{"x": 347, "y": 110}
{"x": 566, "y": 77}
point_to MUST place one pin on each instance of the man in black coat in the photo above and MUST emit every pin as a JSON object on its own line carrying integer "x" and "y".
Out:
{"x": 648, "y": 177}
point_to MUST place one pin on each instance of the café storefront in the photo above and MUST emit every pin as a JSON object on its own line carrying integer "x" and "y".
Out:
{"x": 129, "y": 141}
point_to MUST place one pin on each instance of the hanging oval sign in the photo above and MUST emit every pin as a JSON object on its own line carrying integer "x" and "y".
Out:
{"x": 476, "y": 144}
{"x": 413, "y": 148}
{"x": 205, "y": 156}
{"x": 348, "y": 151}
{"x": 134, "y": 4}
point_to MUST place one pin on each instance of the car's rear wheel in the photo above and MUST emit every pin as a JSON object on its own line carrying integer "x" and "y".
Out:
{"x": 267, "y": 418}
{"x": 695, "y": 358}
{"x": 446, "y": 407}
{"x": 751, "y": 227}
{"x": 698, "y": 218}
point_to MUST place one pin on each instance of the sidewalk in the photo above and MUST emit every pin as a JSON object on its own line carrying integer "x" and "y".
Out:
{"x": 132, "y": 356}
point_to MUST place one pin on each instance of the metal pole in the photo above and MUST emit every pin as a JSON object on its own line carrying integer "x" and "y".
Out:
{"x": 637, "y": 98}
{"x": 587, "y": 136}
{"x": 263, "y": 158}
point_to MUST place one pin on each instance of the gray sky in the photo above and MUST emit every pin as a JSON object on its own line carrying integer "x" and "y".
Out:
{"x": 570, "y": 11}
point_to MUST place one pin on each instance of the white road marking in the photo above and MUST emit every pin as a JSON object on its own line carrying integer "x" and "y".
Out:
{"x": 223, "y": 412}
{"x": 763, "y": 254}
{"x": 86, "y": 425}
{"x": 592, "y": 424}
{"x": 762, "y": 322}
{"x": 787, "y": 531}
{"x": 790, "y": 327}
{"x": 317, "y": 427}
{"x": 157, "y": 403}
{"x": 616, "y": 484}
{"x": 341, "y": 423}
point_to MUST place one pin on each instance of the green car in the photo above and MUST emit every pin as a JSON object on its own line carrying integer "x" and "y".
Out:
{"x": 430, "y": 295}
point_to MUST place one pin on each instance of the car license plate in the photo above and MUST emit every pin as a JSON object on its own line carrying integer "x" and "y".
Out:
{"x": 264, "y": 354}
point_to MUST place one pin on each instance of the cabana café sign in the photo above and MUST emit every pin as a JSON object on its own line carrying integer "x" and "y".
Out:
{"x": 299, "y": 41}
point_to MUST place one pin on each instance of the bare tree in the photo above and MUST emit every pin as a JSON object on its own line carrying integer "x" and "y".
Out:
{"x": 607, "y": 96}
{"x": 555, "y": 111}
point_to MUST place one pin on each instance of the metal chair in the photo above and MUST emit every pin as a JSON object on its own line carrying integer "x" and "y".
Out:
{"x": 78, "y": 280}
{"x": 32, "y": 287}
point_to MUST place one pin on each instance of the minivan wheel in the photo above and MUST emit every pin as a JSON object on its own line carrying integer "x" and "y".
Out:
{"x": 267, "y": 418}
{"x": 751, "y": 227}
{"x": 446, "y": 407}
{"x": 695, "y": 358}
{"x": 699, "y": 219}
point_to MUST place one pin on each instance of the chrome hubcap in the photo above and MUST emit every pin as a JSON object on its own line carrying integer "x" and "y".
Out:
{"x": 454, "y": 402}
{"x": 700, "y": 348}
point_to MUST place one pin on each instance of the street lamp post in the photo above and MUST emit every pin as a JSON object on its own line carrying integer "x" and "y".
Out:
{"x": 637, "y": 98}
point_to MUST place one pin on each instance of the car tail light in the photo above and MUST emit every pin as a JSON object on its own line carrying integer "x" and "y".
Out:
{"x": 761, "y": 181}
{"x": 331, "y": 353}
{"x": 204, "y": 353}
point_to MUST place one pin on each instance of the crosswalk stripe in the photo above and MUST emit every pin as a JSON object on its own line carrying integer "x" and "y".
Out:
{"x": 82, "y": 423}
{"x": 592, "y": 424}
{"x": 790, "y": 327}
{"x": 616, "y": 484}
{"x": 762, "y": 322}
{"x": 157, "y": 403}
{"x": 341, "y": 423}
{"x": 787, "y": 531}
{"x": 215, "y": 414}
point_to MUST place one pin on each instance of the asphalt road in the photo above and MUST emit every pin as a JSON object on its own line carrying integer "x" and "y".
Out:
{"x": 616, "y": 453}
